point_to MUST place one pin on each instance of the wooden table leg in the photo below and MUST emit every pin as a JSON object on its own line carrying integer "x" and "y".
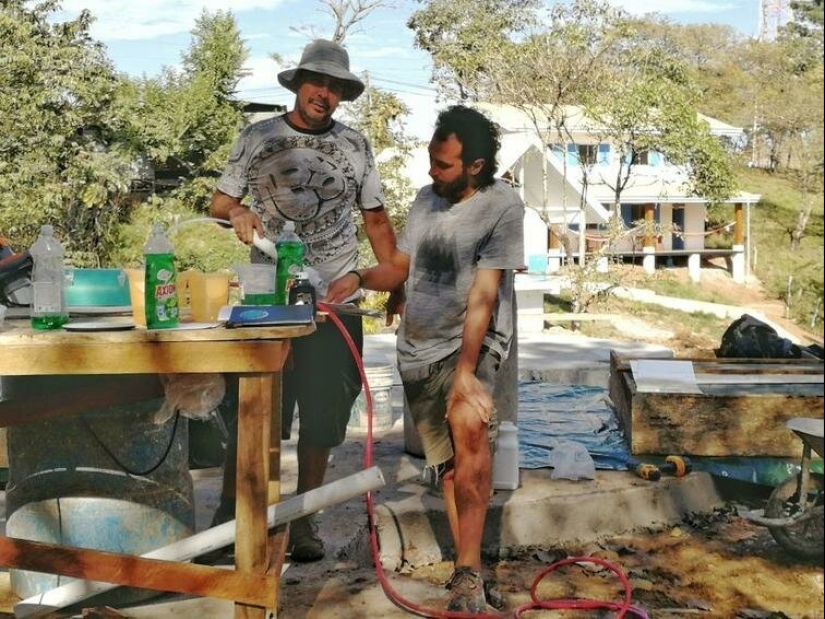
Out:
{"x": 255, "y": 412}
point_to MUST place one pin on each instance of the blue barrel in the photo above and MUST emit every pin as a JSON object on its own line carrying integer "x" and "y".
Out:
{"x": 108, "y": 479}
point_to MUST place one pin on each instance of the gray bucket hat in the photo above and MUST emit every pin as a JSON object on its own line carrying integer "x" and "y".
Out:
{"x": 327, "y": 58}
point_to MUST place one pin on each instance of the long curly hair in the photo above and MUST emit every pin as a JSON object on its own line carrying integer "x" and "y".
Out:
{"x": 479, "y": 136}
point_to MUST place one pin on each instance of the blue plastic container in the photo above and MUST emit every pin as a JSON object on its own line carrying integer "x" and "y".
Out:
{"x": 98, "y": 288}
{"x": 108, "y": 479}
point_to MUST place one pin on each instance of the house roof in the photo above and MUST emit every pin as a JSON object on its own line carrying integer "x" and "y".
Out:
{"x": 511, "y": 118}
{"x": 515, "y": 146}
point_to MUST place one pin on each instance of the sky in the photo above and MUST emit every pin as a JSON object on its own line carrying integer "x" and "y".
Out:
{"x": 144, "y": 36}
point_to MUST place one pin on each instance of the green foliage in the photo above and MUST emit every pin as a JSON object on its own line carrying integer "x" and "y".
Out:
{"x": 60, "y": 162}
{"x": 199, "y": 244}
{"x": 773, "y": 220}
{"x": 185, "y": 123}
{"x": 379, "y": 116}
{"x": 461, "y": 35}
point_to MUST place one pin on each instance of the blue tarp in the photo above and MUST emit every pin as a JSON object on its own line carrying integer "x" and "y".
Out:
{"x": 549, "y": 413}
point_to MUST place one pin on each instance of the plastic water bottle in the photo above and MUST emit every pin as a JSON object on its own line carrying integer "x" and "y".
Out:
{"x": 505, "y": 461}
{"x": 160, "y": 277}
{"x": 290, "y": 250}
{"x": 49, "y": 309}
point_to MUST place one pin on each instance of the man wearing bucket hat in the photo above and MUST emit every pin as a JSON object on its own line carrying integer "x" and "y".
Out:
{"x": 310, "y": 169}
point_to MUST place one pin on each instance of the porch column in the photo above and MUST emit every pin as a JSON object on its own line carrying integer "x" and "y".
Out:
{"x": 695, "y": 267}
{"x": 649, "y": 241}
{"x": 554, "y": 251}
{"x": 737, "y": 263}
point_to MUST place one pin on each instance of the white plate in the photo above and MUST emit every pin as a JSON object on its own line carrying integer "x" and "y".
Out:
{"x": 100, "y": 309}
{"x": 188, "y": 326}
{"x": 99, "y": 325}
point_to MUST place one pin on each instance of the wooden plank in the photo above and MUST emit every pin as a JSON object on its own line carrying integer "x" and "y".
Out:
{"x": 732, "y": 365}
{"x": 717, "y": 426}
{"x": 145, "y": 358}
{"x": 733, "y": 420}
{"x": 255, "y": 396}
{"x": 98, "y": 565}
{"x": 757, "y": 379}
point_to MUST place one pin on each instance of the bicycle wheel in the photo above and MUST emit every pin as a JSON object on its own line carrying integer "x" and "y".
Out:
{"x": 806, "y": 538}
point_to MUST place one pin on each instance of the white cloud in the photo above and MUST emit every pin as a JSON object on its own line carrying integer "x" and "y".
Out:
{"x": 262, "y": 82}
{"x": 130, "y": 20}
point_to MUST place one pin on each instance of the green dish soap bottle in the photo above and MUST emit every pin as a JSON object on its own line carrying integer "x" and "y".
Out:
{"x": 160, "y": 277}
{"x": 49, "y": 310}
{"x": 290, "y": 263}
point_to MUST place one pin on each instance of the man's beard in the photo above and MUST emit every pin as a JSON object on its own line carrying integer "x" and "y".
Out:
{"x": 453, "y": 190}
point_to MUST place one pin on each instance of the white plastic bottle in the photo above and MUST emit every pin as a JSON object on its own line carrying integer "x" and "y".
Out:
{"x": 49, "y": 310}
{"x": 505, "y": 461}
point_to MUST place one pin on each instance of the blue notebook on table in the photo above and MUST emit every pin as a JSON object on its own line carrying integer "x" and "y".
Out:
{"x": 270, "y": 316}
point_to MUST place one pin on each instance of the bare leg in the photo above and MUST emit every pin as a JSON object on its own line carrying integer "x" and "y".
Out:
{"x": 471, "y": 483}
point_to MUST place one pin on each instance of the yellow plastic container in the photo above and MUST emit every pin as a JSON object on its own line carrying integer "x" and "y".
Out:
{"x": 202, "y": 295}
{"x": 137, "y": 285}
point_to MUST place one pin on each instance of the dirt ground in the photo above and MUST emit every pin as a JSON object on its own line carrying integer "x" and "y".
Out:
{"x": 717, "y": 565}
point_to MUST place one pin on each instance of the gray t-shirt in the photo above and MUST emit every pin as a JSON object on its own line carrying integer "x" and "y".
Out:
{"x": 312, "y": 178}
{"x": 447, "y": 243}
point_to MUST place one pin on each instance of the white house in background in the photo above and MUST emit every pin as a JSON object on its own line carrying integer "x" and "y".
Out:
{"x": 656, "y": 192}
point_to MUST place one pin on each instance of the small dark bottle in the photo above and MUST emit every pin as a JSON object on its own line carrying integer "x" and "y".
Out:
{"x": 302, "y": 292}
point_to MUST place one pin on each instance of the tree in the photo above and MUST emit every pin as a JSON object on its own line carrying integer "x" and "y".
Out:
{"x": 586, "y": 59}
{"x": 182, "y": 125}
{"x": 189, "y": 120}
{"x": 379, "y": 115}
{"x": 463, "y": 35}
{"x": 59, "y": 161}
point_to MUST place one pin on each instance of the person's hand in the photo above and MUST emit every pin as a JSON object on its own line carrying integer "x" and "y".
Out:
{"x": 395, "y": 305}
{"x": 245, "y": 222}
{"x": 470, "y": 391}
{"x": 343, "y": 288}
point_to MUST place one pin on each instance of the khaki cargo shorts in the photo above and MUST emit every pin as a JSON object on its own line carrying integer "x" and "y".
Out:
{"x": 426, "y": 390}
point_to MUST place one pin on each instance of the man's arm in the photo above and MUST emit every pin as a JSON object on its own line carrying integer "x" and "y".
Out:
{"x": 388, "y": 275}
{"x": 380, "y": 233}
{"x": 243, "y": 221}
{"x": 480, "y": 304}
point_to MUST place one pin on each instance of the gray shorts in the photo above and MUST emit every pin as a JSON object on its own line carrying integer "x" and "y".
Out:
{"x": 426, "y": 390}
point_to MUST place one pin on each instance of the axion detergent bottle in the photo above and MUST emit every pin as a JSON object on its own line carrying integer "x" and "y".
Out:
{"x": 161, "y": 281}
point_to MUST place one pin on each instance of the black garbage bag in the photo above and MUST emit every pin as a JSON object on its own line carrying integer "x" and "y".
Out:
{"x": 750, "y": 338}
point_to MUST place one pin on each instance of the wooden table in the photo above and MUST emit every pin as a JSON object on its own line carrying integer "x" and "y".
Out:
{"x": 256, "y": 355}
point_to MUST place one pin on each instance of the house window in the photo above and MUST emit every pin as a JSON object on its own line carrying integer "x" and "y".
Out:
{"x": 582, "y": 154}
{"x": 646, "y": 157}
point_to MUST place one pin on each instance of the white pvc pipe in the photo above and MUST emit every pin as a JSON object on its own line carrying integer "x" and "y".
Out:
{"x": 210, "y": 539}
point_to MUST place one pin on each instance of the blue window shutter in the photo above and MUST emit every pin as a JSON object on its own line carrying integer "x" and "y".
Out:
{"x": 558, "y": 151}
{"x": 572, "y": 154}
{"x": 654, "y": 158}
{"x": 627, "y": 215}
{"x": 604, "y": 154}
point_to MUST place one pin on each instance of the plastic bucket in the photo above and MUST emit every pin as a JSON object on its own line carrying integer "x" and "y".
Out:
{"x": 108, "y": 479}
{"x": 137, "y": 285}
{"x": 257, "y": 282}
{"x": 380, "y": 379}
{"x": 202, "y": 295}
